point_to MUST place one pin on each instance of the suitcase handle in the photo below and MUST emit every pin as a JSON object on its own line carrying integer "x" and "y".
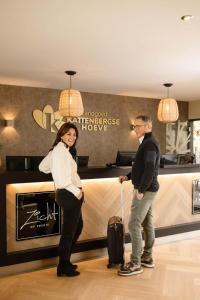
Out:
{"x": 122, "y": 201}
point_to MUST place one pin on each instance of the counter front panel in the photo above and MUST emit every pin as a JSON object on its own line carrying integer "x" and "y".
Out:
{"x": 172, "y": 206}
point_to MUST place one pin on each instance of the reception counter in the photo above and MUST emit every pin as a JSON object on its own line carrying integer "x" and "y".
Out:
{"x": 172, "y": 210}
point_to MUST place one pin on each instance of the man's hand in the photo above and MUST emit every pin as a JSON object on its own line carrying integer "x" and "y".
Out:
{"x": 139, "y": 195}
{"x": 123, "y": 178}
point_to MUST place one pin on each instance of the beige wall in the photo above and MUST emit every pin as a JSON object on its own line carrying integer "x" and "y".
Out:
{"x": 29, "y": 139}
{"x": 194, "y": 110}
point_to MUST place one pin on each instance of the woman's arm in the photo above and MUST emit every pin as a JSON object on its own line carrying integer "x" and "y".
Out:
{"x": 44, "y": 165}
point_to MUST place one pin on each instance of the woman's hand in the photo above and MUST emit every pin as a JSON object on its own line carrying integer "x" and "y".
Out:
{"x": 80, "y": 195}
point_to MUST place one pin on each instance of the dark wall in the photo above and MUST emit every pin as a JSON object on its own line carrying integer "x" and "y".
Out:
{"x": 27, "y": 138}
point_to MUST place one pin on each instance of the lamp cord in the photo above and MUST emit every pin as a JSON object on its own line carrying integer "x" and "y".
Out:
{"x": 70, "y": 82}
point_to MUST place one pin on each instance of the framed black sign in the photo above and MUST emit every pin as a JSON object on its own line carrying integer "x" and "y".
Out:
{"x": 196, "y": 196}
{"x": 37, "y": 215}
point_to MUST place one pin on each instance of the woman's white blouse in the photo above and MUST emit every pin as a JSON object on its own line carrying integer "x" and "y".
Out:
{"x": 63, "y": 167}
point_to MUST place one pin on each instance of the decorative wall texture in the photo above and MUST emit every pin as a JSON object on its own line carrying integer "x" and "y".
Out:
{"x": 28, "y": 138}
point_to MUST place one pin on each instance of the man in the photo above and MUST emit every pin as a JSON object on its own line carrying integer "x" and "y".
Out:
{"x": 144, "y": 178}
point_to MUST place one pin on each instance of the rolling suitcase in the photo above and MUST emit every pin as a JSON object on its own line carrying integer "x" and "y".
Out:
{"x": 115, "y": 237}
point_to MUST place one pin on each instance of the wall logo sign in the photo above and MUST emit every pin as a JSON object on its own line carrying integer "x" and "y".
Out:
{"x": 90, "y": 121}
{"x": 37, "y": 215}
{"x": 48, "y": 119}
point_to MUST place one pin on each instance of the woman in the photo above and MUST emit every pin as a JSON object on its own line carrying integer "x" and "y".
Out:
{"x": 69, "y": 196}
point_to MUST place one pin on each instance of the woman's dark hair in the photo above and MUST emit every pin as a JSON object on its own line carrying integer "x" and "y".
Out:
{"x": 64, "y": 129}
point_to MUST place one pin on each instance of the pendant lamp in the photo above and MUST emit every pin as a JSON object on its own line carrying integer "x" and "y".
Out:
{"x": 168, "y": 108}
{"x": 70, "y": 104}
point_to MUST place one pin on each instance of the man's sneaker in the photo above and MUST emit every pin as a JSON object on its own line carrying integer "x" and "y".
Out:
{"x": 147, "y": 262}
{"x": 130, "y": 269}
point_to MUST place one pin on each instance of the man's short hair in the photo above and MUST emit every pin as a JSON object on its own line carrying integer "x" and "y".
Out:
{"x": 144, "y": 118}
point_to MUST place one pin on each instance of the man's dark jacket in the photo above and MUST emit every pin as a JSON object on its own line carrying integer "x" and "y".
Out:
{"x": 145, "y": 168}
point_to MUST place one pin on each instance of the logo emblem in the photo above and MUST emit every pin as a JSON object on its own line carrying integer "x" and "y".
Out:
{"x": 48, "y": 119}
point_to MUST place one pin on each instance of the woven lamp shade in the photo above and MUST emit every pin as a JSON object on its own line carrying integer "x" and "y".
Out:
{"x": 168, "y": 110}
{"x": 70, "y": 104}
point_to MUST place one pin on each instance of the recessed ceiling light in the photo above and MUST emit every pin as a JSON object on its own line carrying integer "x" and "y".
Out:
{"x": 187, "y": 17}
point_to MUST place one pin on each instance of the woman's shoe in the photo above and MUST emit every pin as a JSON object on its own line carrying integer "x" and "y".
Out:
{"x": 66, "y": 270}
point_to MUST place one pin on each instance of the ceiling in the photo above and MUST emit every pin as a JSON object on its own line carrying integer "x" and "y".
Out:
{"x": 123, "y": 47}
